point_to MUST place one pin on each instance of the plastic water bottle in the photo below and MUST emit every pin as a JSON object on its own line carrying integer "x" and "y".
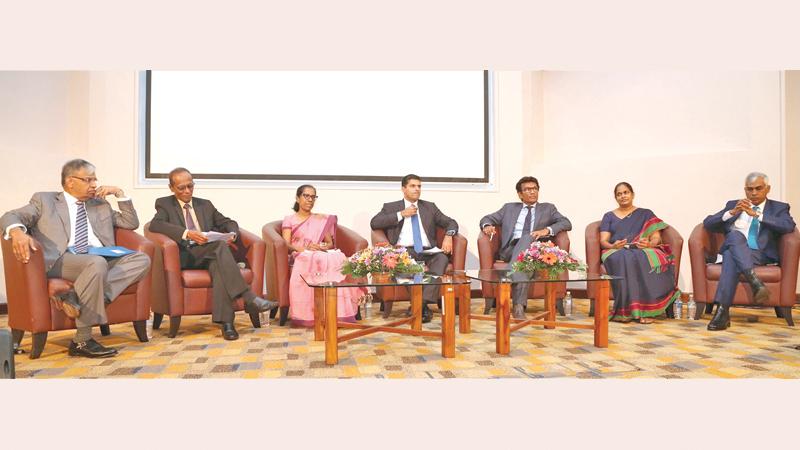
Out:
{"x": 677, "y": 307}
{"x": 691, "y": 308}
{"x": 567, "y": 304}
{"x": 149, "y": 327}
{"x": 263, "y": 317}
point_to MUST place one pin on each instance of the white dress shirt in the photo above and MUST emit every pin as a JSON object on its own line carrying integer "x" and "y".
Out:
{"x": 73, "y": 217}
{"x": 742, "y": 223}
{"x": 406, "y": 238}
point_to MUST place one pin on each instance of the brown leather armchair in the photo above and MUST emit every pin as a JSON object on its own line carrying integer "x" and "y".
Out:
{"x": 178, "y": 293}
{"x": 780, "y": 280}
{"x": 487, "y": 251}
{"x": 277, "y": 261}
{"x": 458, "y": 261}
{"x": 669, "y": 236}
{"x": 29, "y": 290}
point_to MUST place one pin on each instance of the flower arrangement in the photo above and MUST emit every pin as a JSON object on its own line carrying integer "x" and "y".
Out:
{"x": 546, "y": 256}
{"x": 380, "y": 259}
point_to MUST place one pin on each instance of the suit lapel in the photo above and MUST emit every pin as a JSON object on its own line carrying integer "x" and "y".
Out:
{"x": 199, "y": 209}
{"x": 178, "y": 210}
{"x": 428, "y": 224}
{"x": 91, "y": 214}
{"x": 763, "y": 232}
{"x": 508, "y": 231}
{"x": 63, "y": 213}
{"x": 538, "y": 217}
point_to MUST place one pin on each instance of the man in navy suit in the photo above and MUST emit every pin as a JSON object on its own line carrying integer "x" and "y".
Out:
{"x": 752, "y": 226}
{"x": 418, "y": 233}
{"x": 523, "y": 222}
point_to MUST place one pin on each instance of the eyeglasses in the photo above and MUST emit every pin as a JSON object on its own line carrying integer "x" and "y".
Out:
{"x": 87, "y": 180}
{"x": 530, "y": 189}
{"x": 310, "y": 197}
{"x": 184, "y": 187}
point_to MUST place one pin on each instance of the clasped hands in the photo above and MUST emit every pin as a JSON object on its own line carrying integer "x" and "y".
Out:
{"x": 638, "y": 244}
{"x": 743, "y": 205}
{"x": 489, "y": 230}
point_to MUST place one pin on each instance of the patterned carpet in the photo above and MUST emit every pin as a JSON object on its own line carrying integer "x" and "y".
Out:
{"x": 758, "y": 345}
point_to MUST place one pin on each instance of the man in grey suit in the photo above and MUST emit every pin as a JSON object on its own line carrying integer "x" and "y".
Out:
{"x": 185, "y": 218}
{"x": 418, "y": 233}
{"x": 522, "y": 223}
{"x": 66, "y": 225}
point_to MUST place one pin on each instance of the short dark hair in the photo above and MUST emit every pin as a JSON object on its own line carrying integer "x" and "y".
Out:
{"x": 176, "y": 171}
{"x": 524, "y": 180}
{"x": 408, "y": 178}
{"x": 72, "y": 166}
{"x": 623, "y": 183}
{"x": 300, "y": 190}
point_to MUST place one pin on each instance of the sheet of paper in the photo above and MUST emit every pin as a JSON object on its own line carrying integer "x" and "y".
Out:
{"x": 431, "y": 251}
{"x": 215, "y": 236}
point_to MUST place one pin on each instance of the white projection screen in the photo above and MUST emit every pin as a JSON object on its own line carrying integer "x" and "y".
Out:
{"x": 319, "y": 125}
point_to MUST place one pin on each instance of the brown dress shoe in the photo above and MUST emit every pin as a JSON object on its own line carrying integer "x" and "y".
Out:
{"x": 68, "y": 303}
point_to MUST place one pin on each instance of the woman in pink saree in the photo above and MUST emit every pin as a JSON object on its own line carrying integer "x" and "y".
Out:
{"x": 311, "y": 238}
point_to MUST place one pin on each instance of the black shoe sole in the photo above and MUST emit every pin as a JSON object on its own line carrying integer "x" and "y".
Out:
{"x": 93, "y": 355}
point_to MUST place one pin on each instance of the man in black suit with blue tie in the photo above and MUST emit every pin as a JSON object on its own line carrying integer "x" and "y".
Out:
{"x": 752, "y": 226}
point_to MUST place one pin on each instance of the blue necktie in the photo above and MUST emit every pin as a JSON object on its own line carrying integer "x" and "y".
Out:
{"x": 417, "y": 233}
{"x": 752, "y": 233}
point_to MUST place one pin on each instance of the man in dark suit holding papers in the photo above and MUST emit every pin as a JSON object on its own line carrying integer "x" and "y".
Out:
{"x": 752, "y": 227}
{"x": 66, "y": 226}
{"x": 185, "y": 219}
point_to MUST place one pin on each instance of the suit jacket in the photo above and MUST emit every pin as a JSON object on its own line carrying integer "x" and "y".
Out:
{"x": 546, "y": 216}
{"x": 776, "y": 222}
{"x": 46, "y": 217}
{"x": 170, "y": 219}
{"x": 431, "y": 217}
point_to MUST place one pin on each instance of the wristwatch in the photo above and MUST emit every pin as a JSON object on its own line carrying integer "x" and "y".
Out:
{"x": 451, "y": 232}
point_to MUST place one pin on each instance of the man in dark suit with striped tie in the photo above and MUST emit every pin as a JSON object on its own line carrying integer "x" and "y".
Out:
{"x": 65, "y": 225}
{"x": 185, "y": 218}
{"x": 752, "y": 227}
{"x": 412, "y": 223}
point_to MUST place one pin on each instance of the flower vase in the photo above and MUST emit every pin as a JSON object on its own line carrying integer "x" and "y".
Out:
{"x": 381, "y": 277}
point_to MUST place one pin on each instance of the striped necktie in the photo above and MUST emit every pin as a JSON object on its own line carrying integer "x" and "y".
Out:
{"x": 81, "y": 229}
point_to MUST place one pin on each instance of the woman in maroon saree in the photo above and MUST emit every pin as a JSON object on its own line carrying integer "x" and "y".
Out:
{"x": 631, "y": 241}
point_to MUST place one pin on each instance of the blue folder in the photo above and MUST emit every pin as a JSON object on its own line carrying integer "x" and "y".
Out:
{"x": 108, "y": 252}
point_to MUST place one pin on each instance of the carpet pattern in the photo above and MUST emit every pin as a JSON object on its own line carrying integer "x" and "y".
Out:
{"x": 758, "y": 345}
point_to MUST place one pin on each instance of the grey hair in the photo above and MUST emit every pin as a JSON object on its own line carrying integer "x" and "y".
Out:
{"x": 753, "y": 176}
{"x": 73, "y": 166}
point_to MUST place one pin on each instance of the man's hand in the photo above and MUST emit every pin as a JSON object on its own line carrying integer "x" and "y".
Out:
{"x": 22, "y": 244}
{"x": 447, "y": 245}
{"x": 103, "y": 191}
{"x": 619, "y": 244}
{"x": 197, "y": 236}
{"x": 538, "y": 234}
{"x": 742, "y": 205}
{"x": 410, "y": 211}
{"x": 489, "y": 230}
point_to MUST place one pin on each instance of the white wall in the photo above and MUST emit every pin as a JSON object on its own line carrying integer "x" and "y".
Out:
{"x": 684, "y": 140}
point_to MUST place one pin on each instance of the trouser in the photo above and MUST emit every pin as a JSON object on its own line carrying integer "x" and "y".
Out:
{"x": 97, "y": 279}
{"x": 227, "y": 280}
{"x": 437, "y": 264}
{"x": 737, "y": 258}
{"x": 519, "y": 291}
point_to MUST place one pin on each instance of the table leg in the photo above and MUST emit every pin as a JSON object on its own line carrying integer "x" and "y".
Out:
{"x": 464, "y": 319}
{"x": 601, "y": 314}
{"x": 319, "y": 313}
{"x": 449, "y": 322}
{"x": 331, "y": 327}
{"x": 502, "y": 330}
{"x": 550, "y": 302}
{"x": 416, "y": 307}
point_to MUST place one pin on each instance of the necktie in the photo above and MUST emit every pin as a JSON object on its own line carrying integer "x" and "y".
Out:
{"x": 417, "y": 233}
{"x": 526, "y": 226}
{"x": 752, "y": 233}
{"x": 189, "y": 221}
{"x": 81, "y": 229}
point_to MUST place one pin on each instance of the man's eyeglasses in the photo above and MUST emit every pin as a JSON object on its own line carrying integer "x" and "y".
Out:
{"x": 310, "y": 197}
{"x": 530, "y": 189}
{"x": 184, "y": 187}
{"x": 87, "y": 180}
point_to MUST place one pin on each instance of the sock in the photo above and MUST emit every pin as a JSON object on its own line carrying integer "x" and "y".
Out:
{"x": 82, "y": 334}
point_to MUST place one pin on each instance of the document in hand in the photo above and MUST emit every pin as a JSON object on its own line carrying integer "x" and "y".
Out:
{"x": 215, "y": 236}
{"x": 431, "y": 251}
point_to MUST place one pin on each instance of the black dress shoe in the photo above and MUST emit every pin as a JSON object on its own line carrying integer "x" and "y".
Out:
{"x": 229, "y": 332}
{"x": 760, "y": 291}
{"x": 91, "y": 349}
{"x": 258, "y": 304}
{"x": 427, "y": 315}
{"x": 721, "y": 320}
{"x": 68, "y": 302}
{"x": 487, "y": 306}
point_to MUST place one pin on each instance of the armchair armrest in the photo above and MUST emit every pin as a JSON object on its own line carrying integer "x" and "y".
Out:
{"x": 378, "y": 237}
{"x": 593, "y": 262}
{"x": 276, "y": 263}
{"x": 348, "y": 241}
{"x": 256, "y": 251}
{"x": 699, "y": 244}
{"x": 789, "y": 253}
{"x": 134, "y": 241}
{"x": 26, "y": 290}
{"x": 166, "y": 284}
{"x": 487, "y": 249}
